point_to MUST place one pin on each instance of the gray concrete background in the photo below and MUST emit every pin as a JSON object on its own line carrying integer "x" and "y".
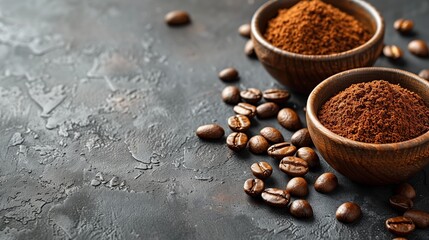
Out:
{"x": 103, "y": 93}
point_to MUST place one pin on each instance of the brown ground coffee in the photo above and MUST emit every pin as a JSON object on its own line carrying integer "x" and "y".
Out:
{"x": 313, "y": 27}
{"x": 376, "y": 112}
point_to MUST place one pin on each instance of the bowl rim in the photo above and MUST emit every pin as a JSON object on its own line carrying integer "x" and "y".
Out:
{"x": 312, "y": 114}
{"x": 379, "y": 32}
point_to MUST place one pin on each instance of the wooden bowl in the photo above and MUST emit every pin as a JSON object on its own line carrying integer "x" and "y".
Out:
{"x": 374, "y": 164}
{"x": 303, "y": 72}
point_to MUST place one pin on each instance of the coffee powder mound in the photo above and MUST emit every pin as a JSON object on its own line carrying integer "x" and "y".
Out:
{"x": 313, "y": 27}
{"x": 376, "y": 112}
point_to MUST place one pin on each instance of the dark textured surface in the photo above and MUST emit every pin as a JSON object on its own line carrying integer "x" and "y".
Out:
{"x": 106, "y": 87}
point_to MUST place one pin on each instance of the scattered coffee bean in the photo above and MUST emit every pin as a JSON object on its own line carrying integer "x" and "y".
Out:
{"x": 403, "y": 25}
{"x": 392, "y": 52}
{"x": 271, "y": 134}
{"x": 406, "y": 190}
{"x": 228, "y": 75}
{"x": 249, "y": 49}
{"x": 400, "y": 226}
{"x": 254, "y": 187}
{"x": 276, "y": 95}
{"x": 297, "y": 187}
{"x": 289, "y": 119}
{"x": 326, "y": 183}
{"x": 280, "y": 150}
{"x": 424, "y": 74}
{"x": 251, "y": 95}
{"x": 309, "y": 155}
{"x": 276, "y": 197}
{"x": 258, "y": 144}
{"x": 267, "y": 110}
{"x": 177, "y": 18}
{"x": 237, "y": 141}
{"x": 245, "y": 109}
{"x": 261, "y": 170}
{"x": 210, "y": 131}
{"x": 418, "y": 48}
{"x": 244, "y": 30}
{"x": 301, "y": 138}
{"x": 348, "y": 212}
{"x": 231, "y": 95}
{"x": 301, "y": 209}
{"x": 293, "y": 166}
{"x": 239, "y": 123}
{"x": 401, "y": 203}
{"x": 420, "y": 218}
{"x": 399, "y": 238}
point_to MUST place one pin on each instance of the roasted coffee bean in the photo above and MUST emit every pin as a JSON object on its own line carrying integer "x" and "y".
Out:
{"x": 271, "y": 134}
{"x": 177, "y": 18}
{"x": 244, "y": 30}
{"x": 280, "y": 150}
{"x": 399, "y": 238}
{"x": 261, "y": 170}
{"x": 403, "y": 25}
{"x": 301, "y": 209}
{"x": 228, "y": 75}
{"x": 254, "y": 187}
{"x": 424, "y": 74}
{"x": 326, "y": 183}
{"x": 406, "y": 190}
{"x": 309, "y": 155}
{"x": 418, "y": 48}
{"x": 237, "y": 141}
{"x": 289, "y": 119}
{"x": 245, "y": 109}
{"x": 401, "y": 203}
{"x": 239, "y": 123}
{"x": 293, "y": 166}
{"x": 420, "y": 218}
{"x": 251, "y": 95}
{"x": 258, "y": 144}
{"x": 267, "y": 110}
{"x": 348, "y": 212}
{"x": 392, "y": 52}
{"x": 210, "y": 131}
{"x": 231, "y": 95}
{"x": 297, "y": 187}
{"x": 276, "y": 95}
{"x": 400, "y": 226}
{"x": 301, "y": 138}
{"x": 249, "y": 49}
{"x": 276, "y": 197}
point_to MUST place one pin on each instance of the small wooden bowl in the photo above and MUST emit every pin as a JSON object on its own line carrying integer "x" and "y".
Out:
{"x": 303, "y": 72}
{"x": 374, "y": 164}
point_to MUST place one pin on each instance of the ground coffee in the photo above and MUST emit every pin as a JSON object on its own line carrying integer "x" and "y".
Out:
{"x": 313, "y": 27}
{"x": 376, "y": 112}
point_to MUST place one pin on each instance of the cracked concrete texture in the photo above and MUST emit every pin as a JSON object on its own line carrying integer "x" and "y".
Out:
{"x": 99, "y": 101}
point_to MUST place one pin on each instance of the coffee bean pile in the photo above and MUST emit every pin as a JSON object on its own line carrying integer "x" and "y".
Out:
{"x": 402, "y": 201}
{"x": 295, "y": 157}
{"x": 417, "y": 47}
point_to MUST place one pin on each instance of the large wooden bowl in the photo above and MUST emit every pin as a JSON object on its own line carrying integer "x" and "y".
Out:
{"x": 303, "y": 72}
{"x": 374, "y": 164}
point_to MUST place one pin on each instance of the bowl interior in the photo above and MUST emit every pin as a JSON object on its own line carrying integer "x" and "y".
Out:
{"x": 362, "y": 11}
{"x": 333, "y": 85}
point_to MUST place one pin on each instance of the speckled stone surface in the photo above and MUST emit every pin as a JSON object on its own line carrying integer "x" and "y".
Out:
{"x": 99, "y": 101}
